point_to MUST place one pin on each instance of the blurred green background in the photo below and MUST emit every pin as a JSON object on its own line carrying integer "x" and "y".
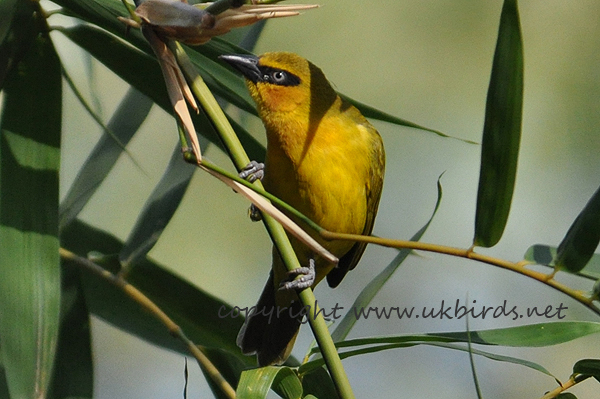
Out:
{"x": 425, "y": 61}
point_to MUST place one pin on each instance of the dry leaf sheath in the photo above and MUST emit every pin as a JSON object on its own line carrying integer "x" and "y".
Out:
{"x": 194, "y": 26}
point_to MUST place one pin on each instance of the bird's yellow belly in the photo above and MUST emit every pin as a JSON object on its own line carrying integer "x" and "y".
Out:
{"x": 328, "y": 192}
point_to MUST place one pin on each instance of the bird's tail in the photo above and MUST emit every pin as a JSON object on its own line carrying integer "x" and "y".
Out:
{"x": 270, "y": 331}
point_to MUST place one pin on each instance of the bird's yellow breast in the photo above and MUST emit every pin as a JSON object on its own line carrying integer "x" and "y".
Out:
{"x": 321, "y": 167}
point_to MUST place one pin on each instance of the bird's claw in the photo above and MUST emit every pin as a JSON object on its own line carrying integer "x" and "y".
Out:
{"x": 254, "y": 170}
{"x": 307, "y": 280}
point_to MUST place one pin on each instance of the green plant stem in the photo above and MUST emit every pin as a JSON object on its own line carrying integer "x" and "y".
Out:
{"x": 276, "y": 231}
{"x": 174, "y": 329}
{"x": 131, "y": 11}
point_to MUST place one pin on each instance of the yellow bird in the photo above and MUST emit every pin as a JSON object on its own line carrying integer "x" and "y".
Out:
{"x": 324, "y": 159}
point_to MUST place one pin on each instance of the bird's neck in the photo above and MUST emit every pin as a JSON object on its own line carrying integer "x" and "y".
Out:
{"x": 292, "y": 133}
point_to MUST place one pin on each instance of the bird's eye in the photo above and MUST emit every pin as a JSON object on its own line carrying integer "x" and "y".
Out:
{"x": 278, "y": 76}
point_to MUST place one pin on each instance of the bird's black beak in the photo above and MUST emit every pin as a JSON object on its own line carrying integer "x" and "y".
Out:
{"x": 246, "y": 64}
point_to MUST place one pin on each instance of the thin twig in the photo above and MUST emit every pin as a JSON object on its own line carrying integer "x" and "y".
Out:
{"x": 467, "y": 254}
{"x": 560, "y": 389}
{"x": 174, "y": 329}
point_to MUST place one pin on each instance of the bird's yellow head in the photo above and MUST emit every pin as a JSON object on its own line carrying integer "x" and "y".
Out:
{"x": 283, "y": 82}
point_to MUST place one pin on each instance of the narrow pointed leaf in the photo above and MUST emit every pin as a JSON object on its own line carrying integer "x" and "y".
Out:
{"x": 205, "y": 319}
{"x": 545, "y": 255}
{"x": 501, "y": 131}
{"x": 384, "y": 347}
{"x": 540, "y": 254}
{"x": 74, "y": 371}
{"x": 16, "y": 21}
{"x": 3, "y": 384}
{"x": 125, "y": 122}
{"x": 535, "y": 335}
{"x": 217, "y": 76}
{"x": 374, "y": 113}
{"x": 589, "y": 367}
{"x": 8, "y": 9}
{"x": 580, "y": 242}
{"x": 369, "y": 292}
{"x": 159, "y": 208}
{"x": 251, "y": 37}
{"x": 256, "y": 383}
{"x": 318, "y": 383}
{"x": 29, "y": 262}
{"x": 229, "y": 366}
{"x": 142, "y": 72}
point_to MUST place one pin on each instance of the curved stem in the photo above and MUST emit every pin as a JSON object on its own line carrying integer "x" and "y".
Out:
{"x": 173, "y": 328}
{"x": 563, "y": 387}
{"x": 467, "y": 254}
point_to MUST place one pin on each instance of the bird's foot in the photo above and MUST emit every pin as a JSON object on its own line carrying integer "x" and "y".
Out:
{"x": 308, "y": 277}
{"x": 254, "y": 170}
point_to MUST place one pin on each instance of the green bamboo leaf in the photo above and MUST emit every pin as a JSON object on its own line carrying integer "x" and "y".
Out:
{"x": 501, "y": 131}
{"x": 3, "y": 384}
{"x": 125, "y": 122}
{"x": 206, "y": 320}
{"x": 318, "y": 382}
{"x": 217, "y": 76}
{"x": 368, "y": 293}
{"x": 142, "y": 72}
{"x": 566, "y": 395}
{"x": 531, "y": 336}
{"x": 256, "y": 383}
{"x": 16, "y": 23}
{"x": 497, "y": 357}
{"x": 374, "y": 113}
{"x": 221, "y": 79}
{"x": 545, "y": 255}
{"x": 580, "y": 242}
{"x": 159, "y": 208}
{"x": 103, "y": 13}
{"x": 384, "y": 347}
{"x": 534, "y": 335}
{"x": 8, "y": 8}
{"x": 540, "y": 254}
{"x": 472, "y": 363}
{"x": 229, "y": 366}
{"x": 589, "y": 367}
{"x": 136, "y": 67}
{"x": 249, "y": 40}
{"x": 74, "y": 371}
{"x": 29, "y": 262}
{"x": 287, "y": 384}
